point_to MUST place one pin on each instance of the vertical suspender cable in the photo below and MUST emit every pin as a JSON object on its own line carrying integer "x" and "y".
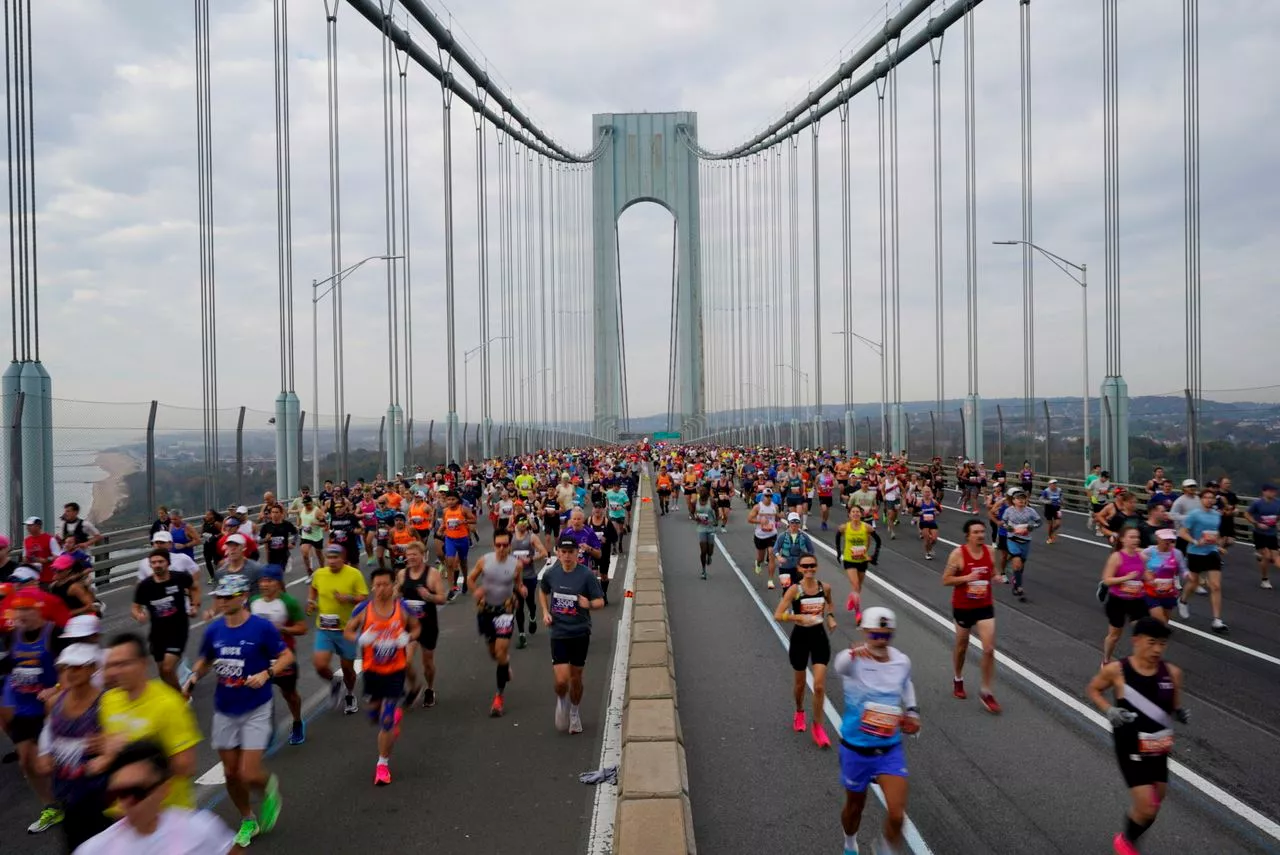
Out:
{"x": 1028, "y": 235}
{"x": 1111, "y": 158}
{"x": 504, "y": 325}
{"x": 482, "y": 262}
{"x": 208, "y": 302}
{"x": 817, "y": 439}
{"x": 935, "y": 53}
{"x": 881, "y": 84}
{"x": 846, "y": 268}
{"x": 1191, "y": 238}
{"x": 451, "y": 422}
{"x": 335, "y": 237}
{"x": 970, "y": 214}
{"x": 793, "y": 212}
{"x": 895, "y": 260}
{"x": 739, "y": 364}
{"x": 406, "y": 336}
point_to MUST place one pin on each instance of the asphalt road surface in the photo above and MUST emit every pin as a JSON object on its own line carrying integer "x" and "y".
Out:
{"x": 464, "y": 783}
{"x": 1041, "y": 777}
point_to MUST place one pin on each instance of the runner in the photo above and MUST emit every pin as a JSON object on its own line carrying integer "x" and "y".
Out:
{"x": 384, "y": 629}
{"x": 32, "y": 677}
{"x": 456, "y": 523}
{"x": 526, "y": 547}
{"x": 789, "y": 547}
{"x": 764, "y": 516}
{"x": 807, "y": 604}
{"x": 969, "y": 573}
{"x": 1019, "y": 521}
{"x": 825, "y": 486}
{"x": 311, "y": 528}
{"x": 568, "y": 593}
{"x": 495, "y": 582}
{"x": 854, "y": 546}
{"x": 928, "y": 512}
{"x": 246, "y": 652}
{"x": 1051, "y": 496}
{"x": 879, "y": 706}
{"x": 704, "y": 517}
{"x": 336, "y": 589}
{"x": 1263, "y": 514}
{"x": 168, "y": 601}
{"x": 1148, "y": 694}
{"x": 619, "y": 504}
{"x": 892, "y": 492}
{"x": 278, "y": 536}
{"x": 275, "y": 604}
{"x": 422, "y": 590}
{"x": 1165, "y": 567}
{"x": 1199, "y": 530}
{"x": 1126, "y": 600}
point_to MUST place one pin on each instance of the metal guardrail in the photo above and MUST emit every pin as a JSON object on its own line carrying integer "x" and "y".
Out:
{"x": 1075, "y": 498}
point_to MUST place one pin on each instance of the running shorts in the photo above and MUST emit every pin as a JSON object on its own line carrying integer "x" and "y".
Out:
{"x": 764, "y": 542}
{"x": 1121, "y": 610}
{"x": 570, "y": 651}
{"x": 859, "y": 768}
{"x": 1204, "y": 563}
{"x": 809, "y": 644}
{"x": 969, "y": 618}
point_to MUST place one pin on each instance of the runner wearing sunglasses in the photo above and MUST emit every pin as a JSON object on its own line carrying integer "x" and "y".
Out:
{"x": 807, "y": 604}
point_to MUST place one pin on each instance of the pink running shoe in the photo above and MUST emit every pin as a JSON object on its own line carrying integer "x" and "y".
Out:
{"x": 1123, "y": 846}
{"x": 798, "y": 724}
{"x": 820, "y": 736}
{"x": 854, "y": 603}
{"x": 382, "y": 775}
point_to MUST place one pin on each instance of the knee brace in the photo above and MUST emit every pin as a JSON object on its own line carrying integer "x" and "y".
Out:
{"x": 389, "y": 711}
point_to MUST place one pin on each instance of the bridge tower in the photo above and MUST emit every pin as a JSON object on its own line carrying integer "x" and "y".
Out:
{"x": 647, "y": 161}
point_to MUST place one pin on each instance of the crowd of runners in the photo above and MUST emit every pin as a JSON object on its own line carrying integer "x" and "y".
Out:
{"x": 98, "y": 736}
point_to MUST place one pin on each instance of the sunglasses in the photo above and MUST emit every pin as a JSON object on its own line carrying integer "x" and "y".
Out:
{"x": 136, "y": 793}
{"x": 808, "y": 566}
{"x": 880, "y": 636}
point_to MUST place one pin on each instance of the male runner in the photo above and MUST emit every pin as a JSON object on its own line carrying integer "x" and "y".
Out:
{"x": 969, "y": 573}
{"x": 494, "y": 582}
{"x": 568, "y": 593}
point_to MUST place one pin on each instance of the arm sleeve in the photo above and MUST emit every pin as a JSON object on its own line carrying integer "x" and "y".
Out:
{"x": 843, "y": 665}
{"x": 908, "y": 689}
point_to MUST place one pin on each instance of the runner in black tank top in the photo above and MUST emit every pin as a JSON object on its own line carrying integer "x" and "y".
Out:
{"x": 418, "y": 590}
{"x": 1147, "y": 692}
{"x": 807, "y": 605}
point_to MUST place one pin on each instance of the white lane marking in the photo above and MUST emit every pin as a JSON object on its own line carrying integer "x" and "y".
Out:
{"x": 216, "y": 776}
{"x": 1255, "y": 818}
{"x": 605, "y": 809}
{"x": 1258, "y": 654}
{"x": 910, "y": 833}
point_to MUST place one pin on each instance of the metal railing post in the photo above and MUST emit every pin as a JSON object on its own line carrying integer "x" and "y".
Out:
{"x": 302, "y": 421}
{"x": 239, "y": 497}
{"x": 1048, "y": 440}
{"x": 345, "y": 454}
{"x": 382, "y": 437}
{"x": 999, "y": 434}
{"x": 151, "y": 457}
{"x": 963, "y": 430}
{"x": 15, "y": 465}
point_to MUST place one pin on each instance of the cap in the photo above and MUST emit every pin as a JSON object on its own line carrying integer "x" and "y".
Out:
{"x": 334, "y": 549}
{"x": 1265, "y": 487}
{"x": 34, "y": 521}
{"x": 82, "y": 626}
{"x": 5, "y": 543}
{"x": 442, "y": 488}
{"x": 162, "y": 537}
{"x": 1167, "y": 534}
{"x": 567, "y": 543}
{"x": 1151, "y": 627}
{"x": 1190, "y": 482}
{"x": 242, "y": 510}
{"x": 231, "y": 586}
{"x": 878, "y": 617}
{"x": 24, "y": 574}
{"x": 1016, "y": 491}
{"x": 79, "y": 654}
{"x": 793, "y": 518}
{"x": 1053, "y": 480}
{"x": 418, "y": 476}
{"x": 273, "y": 571}
{"x": 64, "y": 561}
{"x": 237, "y": 538}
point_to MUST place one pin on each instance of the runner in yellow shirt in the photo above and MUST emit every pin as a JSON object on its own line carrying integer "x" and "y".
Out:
{"x": 336, "y": 589}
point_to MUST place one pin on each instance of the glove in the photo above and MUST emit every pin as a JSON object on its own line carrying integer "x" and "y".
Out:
{"x": 1119, "y": 717}
{"x": 1182, "y": 716}
{"x": 402, "y": 640}
{"x": 367, "y": 638}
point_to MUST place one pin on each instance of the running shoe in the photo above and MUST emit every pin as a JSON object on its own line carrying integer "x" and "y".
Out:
{"x": 853, "y": 851}
{"x": 352, "y": 706}
{"x": 704, "y": 571}
{"x": 428, "y": 698}
{"x": 989, "y": 701}
{"x": 824, "y": 526}
{"x": 1121, "y": 846}
{"x": 1202, "y": 590}
{"x": 1183, "y": 611}
{"x": 957, "y": 690}
{"x": 522, "y": 641}
{"x": 533, "y": 624}
{"x": 797, "y": 724}
{"x": 335, "y": 691}
{"x": 820, "y": 737}
{"x": 1266, "y": 585}
{"x": 575, "y": 720}
{"x": 382, "y": 775}
{"x": 299, "y": 733}
{"x": 757, "y": 568}
{"x": 496, "y": 710}
{"x": 248, "y": 830}
{"x": 49, "y": 817}
{"x": 851, "y": 604}
{"x": 928, "y": 556}
{"x": 770, "y": 585}
{"x": 562, "y": 714}
{"x": 453, "y": 595}
{"x": 271, "y": 803}
{"x": 1218, "y": 625}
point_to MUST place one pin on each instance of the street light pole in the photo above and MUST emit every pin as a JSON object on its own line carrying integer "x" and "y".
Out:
{"x": 466, "y": 385}
{"x": 316, "y": 296}
{"x": 1083, "y": 281}
{"x": 878, "y": 349}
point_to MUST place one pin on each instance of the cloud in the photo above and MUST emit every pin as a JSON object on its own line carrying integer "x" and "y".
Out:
{"x": 118, "y": 218}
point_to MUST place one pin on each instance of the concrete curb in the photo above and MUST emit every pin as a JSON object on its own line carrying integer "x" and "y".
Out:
{"x": 654, "y": 816}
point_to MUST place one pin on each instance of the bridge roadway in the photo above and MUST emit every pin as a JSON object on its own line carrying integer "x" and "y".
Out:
{"x": 464, "y": 784}
{"x": 1038, "y": 778}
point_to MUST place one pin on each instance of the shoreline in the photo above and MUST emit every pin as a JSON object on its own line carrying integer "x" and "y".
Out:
{"x": 109, "y": 493}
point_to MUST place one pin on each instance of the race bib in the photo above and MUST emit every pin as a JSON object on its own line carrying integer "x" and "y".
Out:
{"x": 453, "y": 525}
{"x": 230, "y": 672}
{"x": 785, "y": 579}
{"x": 1268, "y": 520}
{"x": 340, "y": 535}
{"x": 416, "y": 520}
{"x": 978, "y": 589}
{"x": 1163, "y": 586}
{"x": 1132, "y": 587}
{"x": 703, "y": 518}
{"x": 25, "y": 679}
{"x": 882, "y": 720}
{"x": 1210, "y": 537}
{"x": 1021, "y": 530}
{"x": 416, "y": 608}
{"x": 306, "y": 529}
{"x": 330, "y": 622}
{"x": 857, "y": 552}
{"x": 382, "y": 533}
{"x": 384, "y": 649}
{"x": 812, "y": 605}
{"x": 502, "y": 625}
{"x": 1154, "y": 744}
{"x": 277, "y": 543}
{"x": 927, "y": 517}
{"x": 767, "y": 525}
{"x": 564, "y": 604}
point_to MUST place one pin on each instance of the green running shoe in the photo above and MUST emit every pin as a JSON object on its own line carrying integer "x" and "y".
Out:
{"x": 248, "y": 830}
{"x": 49, "y": 817}
{"x": 271, "y": 804}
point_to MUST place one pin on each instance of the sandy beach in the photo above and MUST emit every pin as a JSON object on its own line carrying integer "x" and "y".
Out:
{"x": 109, "y": 492}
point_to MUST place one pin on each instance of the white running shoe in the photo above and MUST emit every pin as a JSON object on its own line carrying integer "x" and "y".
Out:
{"x": 1183, "y": 611}
{"x": 1266, "y": 585}
{"x": 575, "y": 720}
{"x": 1202, "y": 590}
{"x": 562, "y": 714}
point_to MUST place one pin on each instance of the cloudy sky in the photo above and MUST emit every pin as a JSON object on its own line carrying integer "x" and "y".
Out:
{"x": 117, "y": 188}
